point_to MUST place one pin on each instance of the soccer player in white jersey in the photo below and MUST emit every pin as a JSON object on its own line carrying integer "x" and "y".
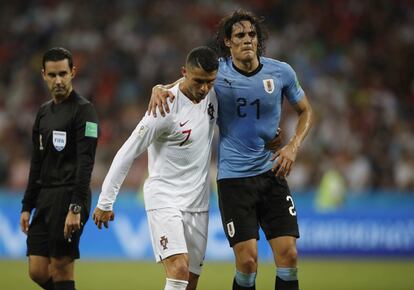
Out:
{"x": 177, "y": 191}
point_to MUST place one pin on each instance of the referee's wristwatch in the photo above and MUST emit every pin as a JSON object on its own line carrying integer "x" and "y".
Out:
{"x": 75, "y": 208}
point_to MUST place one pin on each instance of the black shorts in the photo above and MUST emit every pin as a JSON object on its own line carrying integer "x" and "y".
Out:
{"x": 258, "y": 201}
{"x": 45, "y": 236}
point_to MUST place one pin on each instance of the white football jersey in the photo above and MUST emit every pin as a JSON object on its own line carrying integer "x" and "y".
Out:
{"x": 179, "y": 153}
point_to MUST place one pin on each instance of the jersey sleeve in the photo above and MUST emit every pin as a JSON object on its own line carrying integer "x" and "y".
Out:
{"x": 33, "y": 185}
{"x": 86, "y": 130}
{"x": 291, "y": 87}
{"x": 147, "y": 130}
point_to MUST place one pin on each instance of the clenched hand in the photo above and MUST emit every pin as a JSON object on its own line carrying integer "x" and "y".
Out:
{"x": 103, "y": 217}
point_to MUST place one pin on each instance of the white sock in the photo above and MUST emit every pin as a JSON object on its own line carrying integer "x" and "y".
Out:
{"x": 174, "y": 284}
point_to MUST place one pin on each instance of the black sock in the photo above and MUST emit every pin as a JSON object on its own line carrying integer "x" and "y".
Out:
{"x": 238, "y": 287}
{"x": 65, "y": 285}
{"x": 286, "y": 285}
{"x": 48, "y": 285}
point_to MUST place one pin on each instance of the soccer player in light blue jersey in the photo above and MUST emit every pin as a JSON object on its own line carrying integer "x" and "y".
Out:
{"x": 253, "y": 192}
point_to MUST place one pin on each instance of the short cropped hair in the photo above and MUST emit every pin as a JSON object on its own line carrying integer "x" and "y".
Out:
{"x": 57, "y": 54}
{"x": 203, "y": 57}
{"x": 226, "y": 27}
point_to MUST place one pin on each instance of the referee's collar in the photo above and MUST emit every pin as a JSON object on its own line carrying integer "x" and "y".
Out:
{"x": 71, "y": 96}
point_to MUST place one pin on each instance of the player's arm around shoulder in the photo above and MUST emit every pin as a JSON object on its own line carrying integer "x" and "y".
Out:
{"x": 159, "y": 98}
{"x": 152, "y": 126}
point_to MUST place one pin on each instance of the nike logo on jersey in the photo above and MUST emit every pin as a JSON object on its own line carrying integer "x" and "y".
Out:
{"x": 182, "y": 124}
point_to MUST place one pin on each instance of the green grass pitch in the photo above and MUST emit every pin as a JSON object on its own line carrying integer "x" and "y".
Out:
{"x": 314, "y": 274}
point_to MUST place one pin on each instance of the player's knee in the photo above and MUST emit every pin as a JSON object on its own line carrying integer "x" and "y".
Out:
{"x": 246, "y": 258}
{"x": 178, "y": 268}
{"x": 248, "y": 264}
{"x": 289, "y": 256}
{"x": 39, "y": 276}
{"x": 61, "y": 272}
{"x": 180, "y": 271}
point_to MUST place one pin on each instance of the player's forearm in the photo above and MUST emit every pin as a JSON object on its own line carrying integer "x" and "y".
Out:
{"x": 112, "y": 183}
{"x": 168, "y": 86}
{"x": 305, "y": 122}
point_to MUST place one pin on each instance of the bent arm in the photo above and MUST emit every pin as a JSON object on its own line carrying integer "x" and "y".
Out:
{"x": 287, "y": 155}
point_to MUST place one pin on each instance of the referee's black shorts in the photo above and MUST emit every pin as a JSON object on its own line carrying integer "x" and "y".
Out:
{"x": 248, "y": 203}
{"x": 45, "y": 236}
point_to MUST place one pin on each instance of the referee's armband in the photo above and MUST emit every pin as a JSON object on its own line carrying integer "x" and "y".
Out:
{"x": 91, "y": 129}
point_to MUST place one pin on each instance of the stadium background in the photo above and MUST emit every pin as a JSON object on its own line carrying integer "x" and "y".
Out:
{"x": 353, "y": 181}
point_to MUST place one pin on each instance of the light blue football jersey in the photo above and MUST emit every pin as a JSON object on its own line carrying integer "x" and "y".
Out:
{"x": 249, "y": 114}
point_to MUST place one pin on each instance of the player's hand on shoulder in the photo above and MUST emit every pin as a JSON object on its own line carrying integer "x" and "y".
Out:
{"x": 159, "y": 96}
{"x": 102, "y": 217}
{"x": 24, "y": 221}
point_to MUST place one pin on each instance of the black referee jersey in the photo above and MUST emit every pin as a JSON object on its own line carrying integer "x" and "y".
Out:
{"x": 64, "y": 140}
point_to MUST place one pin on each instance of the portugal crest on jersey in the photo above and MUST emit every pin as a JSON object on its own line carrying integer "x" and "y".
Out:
{"x": 269, "y": 85}
{"x": 59, "y": 140}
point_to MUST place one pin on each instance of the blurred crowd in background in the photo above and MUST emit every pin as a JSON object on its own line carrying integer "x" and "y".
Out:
{"x": 354, "y": 59}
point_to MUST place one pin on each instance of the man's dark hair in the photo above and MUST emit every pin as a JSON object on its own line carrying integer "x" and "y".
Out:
{"x": 226, "y": 27}
{"x": 203, "y": 57}
{"x": 57, "y": 54}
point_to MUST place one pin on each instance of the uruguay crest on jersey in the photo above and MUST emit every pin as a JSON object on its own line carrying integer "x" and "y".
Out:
{"x": 269, "y": 85}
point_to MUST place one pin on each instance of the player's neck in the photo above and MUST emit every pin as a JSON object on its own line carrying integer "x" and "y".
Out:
{"x": 246, "y": 66}
{"x": 184, "y": 89}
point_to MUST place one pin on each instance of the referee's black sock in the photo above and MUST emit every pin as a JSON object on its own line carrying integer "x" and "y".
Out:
{"x": 238, "y": 287}
{"x": 48, "y": 285}
{"x": 65, "y": 285}
{"x": 286, "y": 285}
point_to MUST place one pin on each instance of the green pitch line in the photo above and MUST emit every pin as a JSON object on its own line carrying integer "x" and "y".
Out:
{"x": 314, "y": 275}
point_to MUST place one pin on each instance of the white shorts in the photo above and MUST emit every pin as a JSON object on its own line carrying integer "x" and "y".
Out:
{"x": 176, "y": 232}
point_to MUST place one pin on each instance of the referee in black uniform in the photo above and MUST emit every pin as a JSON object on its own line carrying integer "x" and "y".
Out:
{"x": 65, "y": 135}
